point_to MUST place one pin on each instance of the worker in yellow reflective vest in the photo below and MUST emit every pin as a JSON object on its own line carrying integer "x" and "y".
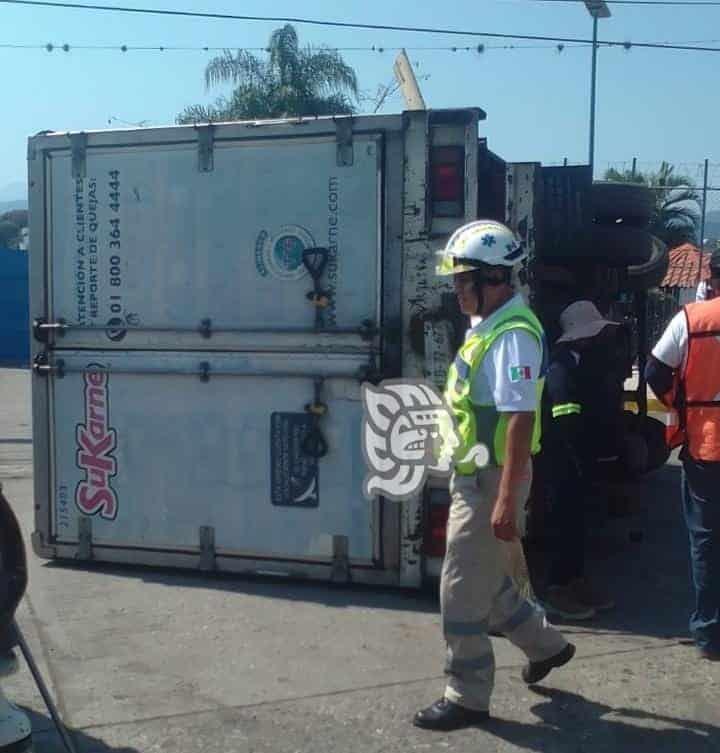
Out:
{"x": 494, "y": 389}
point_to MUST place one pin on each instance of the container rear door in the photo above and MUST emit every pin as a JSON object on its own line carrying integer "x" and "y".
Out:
{"x": 155, "y": 446}
{"x": 148, "y": 251}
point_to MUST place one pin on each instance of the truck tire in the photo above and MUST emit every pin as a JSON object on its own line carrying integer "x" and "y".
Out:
{"x": 609, "y": 245}
{"x": 618, "y": 246}
{"x": 651, "y": 273}
{"x": 629, "y": 203}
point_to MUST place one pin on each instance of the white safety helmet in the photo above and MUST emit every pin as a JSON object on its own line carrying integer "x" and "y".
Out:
{"x": 480, "y": 242}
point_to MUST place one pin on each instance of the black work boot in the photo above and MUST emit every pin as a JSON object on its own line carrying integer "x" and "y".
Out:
{"x": 709, "y": 654}
{"x": 445, "y": 716}
{"x": 535, "y": 671}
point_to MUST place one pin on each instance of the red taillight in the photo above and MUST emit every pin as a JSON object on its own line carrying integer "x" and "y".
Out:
{"x": 436, "y": 531}
{"x": 447, "y": 181}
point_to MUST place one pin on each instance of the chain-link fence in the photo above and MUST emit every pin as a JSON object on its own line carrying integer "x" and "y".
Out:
{"x": 700, "y": 180}
{"x": 686, "y": 190}
{"x": 687, "y": 210}
{"x": 662, "y": 305}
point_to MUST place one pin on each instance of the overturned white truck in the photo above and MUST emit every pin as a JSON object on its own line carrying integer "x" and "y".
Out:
{"x": 207, "y": 301}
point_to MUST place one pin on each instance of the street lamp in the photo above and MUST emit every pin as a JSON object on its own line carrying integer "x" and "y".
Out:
{"x": 597, "y": 9}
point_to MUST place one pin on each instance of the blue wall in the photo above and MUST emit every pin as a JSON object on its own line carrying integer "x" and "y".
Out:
{"x": 14, "y": 308}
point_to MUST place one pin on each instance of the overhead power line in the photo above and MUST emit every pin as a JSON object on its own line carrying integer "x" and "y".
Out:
{"x": 672, "y": 3}
{"x": 349, "y": 25}
{"x": 65, "y": 47}
{"x": 118, "y": 47}
{"x": 479, "y": 49}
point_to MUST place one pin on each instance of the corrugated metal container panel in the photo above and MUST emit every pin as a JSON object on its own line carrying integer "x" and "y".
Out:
{"x": 14, "y": 308}
{"x": 179, "y": 453}
{"x": 148, "y": 240}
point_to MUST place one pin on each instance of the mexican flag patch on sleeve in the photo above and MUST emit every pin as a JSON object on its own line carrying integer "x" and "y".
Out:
{"x": 520, "y": 373}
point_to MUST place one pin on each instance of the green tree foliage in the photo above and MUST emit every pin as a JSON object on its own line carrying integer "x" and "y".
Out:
{"x": 18, "y": 217}
{"x": 290, "y": 80}
{"x": 677, "y": 212}
{"x": 9, "y": 233}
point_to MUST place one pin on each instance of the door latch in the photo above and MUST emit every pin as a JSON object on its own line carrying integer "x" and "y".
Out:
{"x": 314, "y": 443}
{"x": 315, "y": 260}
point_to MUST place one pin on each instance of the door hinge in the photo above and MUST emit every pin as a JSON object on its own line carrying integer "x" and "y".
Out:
{"x": 42, "y": 366}
{"x": 42, "y": 329}
{"x": 78, "y": 148}
{"x": 368, "y": 330}
{"x": 344, "y": 140}
{"x": 205, "y": 328}
{"x": 84, "y": 551}
{"x": 341, "y": 560}
{"x": 206, "y": 159}
{"x": 207, "y": 548}
{"x": 205, "y": 372}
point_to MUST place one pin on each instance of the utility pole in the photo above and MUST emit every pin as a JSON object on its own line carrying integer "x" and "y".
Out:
{"x": 597, "y": 9}
{"x": 702, "y": 220}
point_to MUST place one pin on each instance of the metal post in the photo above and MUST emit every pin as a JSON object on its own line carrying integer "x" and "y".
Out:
{"x": 592, "y": 95}
{"x": 44, "y": 692}
{"x": 701, "y": 245}
{"x": 565, "y": 162}
{"x": 634, "y": 167}
{"x": 641, "y": 311}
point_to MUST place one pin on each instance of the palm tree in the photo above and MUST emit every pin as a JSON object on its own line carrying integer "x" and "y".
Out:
{"x": 677, "y": 203}
{"x": 290, "y": 81}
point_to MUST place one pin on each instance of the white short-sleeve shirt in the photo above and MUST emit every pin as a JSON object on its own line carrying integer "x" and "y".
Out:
{"x": 510, "y": 371}
{"x": 672, "y": 346}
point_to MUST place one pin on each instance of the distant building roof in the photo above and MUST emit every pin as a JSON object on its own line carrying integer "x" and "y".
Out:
{"x": 683, "y": 267}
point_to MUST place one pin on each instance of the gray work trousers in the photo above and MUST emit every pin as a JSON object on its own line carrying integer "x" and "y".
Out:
{"x": 477, "y": 595}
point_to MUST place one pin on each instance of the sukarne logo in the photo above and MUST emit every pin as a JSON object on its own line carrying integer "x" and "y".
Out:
{"x": 96, "y": 441}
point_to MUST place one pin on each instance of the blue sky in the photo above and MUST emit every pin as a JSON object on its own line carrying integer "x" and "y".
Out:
{"x": 652, "y": 104}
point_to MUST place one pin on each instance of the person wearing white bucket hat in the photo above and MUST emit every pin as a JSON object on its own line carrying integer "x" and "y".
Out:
{"x": 566, "y": 404}
{"x": 582, "y": 320}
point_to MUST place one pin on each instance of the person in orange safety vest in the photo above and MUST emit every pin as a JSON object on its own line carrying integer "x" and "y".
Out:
{"x": 684, "y": 372}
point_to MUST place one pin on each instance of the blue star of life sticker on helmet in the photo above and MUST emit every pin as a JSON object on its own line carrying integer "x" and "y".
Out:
{"x": 488, "y": 240}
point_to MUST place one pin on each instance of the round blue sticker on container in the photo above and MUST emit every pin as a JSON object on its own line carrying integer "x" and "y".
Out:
{"x": 281, "y": 254}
